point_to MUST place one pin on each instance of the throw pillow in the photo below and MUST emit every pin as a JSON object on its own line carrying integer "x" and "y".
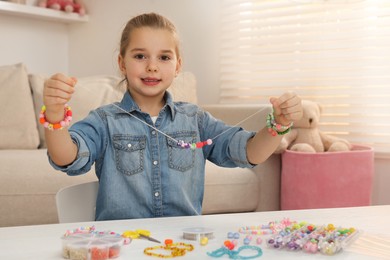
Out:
{"x": 18, "y": 129}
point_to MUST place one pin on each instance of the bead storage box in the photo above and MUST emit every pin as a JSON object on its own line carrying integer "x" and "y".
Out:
{"x": 326, "y": 239}
{"x": 91, "y": 245}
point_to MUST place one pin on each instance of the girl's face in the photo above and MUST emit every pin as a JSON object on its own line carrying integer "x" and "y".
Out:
{"x": 150, "y": 63}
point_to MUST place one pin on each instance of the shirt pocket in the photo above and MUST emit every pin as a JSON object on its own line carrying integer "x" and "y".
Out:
{"x": 129, "y": 153}
{"x": 179, "y": 158}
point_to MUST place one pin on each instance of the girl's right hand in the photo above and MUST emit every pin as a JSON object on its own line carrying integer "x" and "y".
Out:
{"x": 57, "y": 91}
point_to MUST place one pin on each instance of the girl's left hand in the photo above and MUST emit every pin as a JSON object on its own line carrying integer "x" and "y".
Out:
{"x": 287, "y": 108}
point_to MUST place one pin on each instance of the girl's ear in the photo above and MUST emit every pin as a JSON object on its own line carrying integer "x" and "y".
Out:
{"x": 122, "y": 65}
{"x": 178, "y": 67}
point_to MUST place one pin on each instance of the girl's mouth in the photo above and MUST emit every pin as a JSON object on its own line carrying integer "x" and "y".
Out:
{"x": 150, "y": 81}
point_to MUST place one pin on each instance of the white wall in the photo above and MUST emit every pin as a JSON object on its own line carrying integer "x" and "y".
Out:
{"x": 84, "y": 49}
{"x": 42, "y": 46}
{"x": 94, "y": 45}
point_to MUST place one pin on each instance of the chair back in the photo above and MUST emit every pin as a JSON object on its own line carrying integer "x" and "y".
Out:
{"x": 77, "y": 203}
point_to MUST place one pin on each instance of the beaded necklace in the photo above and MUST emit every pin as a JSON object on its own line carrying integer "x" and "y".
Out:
{"x": 183, "y": 144}
{"x": 176, "y": 249}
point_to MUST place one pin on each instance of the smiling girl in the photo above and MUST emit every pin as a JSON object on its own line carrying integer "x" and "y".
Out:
{"x": 149, "y": 152}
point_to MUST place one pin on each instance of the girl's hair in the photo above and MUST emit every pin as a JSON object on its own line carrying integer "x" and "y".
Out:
{"x": 151, "y": 20}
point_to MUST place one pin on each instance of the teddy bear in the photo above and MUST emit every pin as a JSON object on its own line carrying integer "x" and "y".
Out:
{"x": 306, "y": 137}
{"x": 69, "y": 6}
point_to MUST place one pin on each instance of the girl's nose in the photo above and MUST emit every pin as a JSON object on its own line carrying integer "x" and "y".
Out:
{"x": 152, "y": 67}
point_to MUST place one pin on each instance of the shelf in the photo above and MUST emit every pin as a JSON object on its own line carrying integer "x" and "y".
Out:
{"x": 40, "y": 13}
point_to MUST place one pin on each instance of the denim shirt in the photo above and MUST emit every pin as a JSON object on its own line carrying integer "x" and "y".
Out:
{"x": 142, "y": 172}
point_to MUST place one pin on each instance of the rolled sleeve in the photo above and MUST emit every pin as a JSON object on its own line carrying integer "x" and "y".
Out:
{"x": 81, "y": 164}
{"x": 237, "y": 148}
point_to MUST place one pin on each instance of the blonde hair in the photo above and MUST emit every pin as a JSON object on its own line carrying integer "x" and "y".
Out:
{"x": 151, "y": 20}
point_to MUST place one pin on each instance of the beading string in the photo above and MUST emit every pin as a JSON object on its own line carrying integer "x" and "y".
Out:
{"x": 193, "y": 145}
{"x": 181, "y": 143}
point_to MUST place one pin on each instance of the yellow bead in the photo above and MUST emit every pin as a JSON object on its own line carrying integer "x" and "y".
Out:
{"x": 204, "y": 241}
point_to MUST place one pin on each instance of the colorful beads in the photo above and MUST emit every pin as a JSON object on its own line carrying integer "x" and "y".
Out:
{"x": 87, "y": 243}
{"x": 311, "y": 238}
{"x": 56, "y": 126}
{"x": 228, "y": 244}
{"x": 194, "y": 146}
{"x": 275, "y": 128}
{"x": 257, "y": 230}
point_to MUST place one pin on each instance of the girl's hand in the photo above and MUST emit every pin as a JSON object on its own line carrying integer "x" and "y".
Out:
{"x": 287, "y": 108}
{"x": 57, "y": 91}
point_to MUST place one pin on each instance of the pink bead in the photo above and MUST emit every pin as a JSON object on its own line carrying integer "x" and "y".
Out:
{"x": 209, "y": 141}
{"x": 259, "y": 240}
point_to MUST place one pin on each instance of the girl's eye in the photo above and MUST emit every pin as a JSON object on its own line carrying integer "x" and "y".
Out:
{"x": 165, "y": 58}
{"x": 139, "y": 56}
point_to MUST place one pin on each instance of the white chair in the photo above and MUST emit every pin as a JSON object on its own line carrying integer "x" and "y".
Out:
{"x": 77, "y": 203}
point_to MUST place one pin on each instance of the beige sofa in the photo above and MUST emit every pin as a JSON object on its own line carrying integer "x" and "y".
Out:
{"x": 28, "y": 183}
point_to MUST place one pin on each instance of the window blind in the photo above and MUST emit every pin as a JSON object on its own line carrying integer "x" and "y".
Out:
{"x": 334, "y": 52}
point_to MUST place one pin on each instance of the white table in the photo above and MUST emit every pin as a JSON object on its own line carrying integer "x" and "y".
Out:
{"x": 43, "y": 241}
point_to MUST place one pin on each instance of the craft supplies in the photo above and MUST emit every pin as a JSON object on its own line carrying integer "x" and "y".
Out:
{"x": 88, "y": 244}
{"x": 139, "y": 233}
{"x": 311, "y": 238}
{"x": 198, "y": 233}
{"x": 174, "y": 249}
{"x": 236, "y": 254}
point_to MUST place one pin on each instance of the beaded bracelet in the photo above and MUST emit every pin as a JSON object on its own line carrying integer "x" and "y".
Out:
{"x": 275, "y": 128}
{"x": 55, "y": 126}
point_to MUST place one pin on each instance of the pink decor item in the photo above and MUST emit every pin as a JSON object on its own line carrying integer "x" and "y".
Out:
{"x": 327, "y": 179}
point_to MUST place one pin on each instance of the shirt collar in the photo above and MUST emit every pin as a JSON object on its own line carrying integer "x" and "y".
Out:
{"x": 128, "y": 104}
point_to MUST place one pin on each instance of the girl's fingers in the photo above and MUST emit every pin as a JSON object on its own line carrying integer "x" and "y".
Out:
{"x": 287, "y": 107}
{"x": 58, "y": 89}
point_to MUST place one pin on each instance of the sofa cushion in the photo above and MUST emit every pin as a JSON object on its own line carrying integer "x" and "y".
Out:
{"x": 18, "y": 127}
{"x": 90, "y": 93}
{"x": 28, "y": 187}
{"x": 183, "y": 88}
{"x": 229, "y": 190}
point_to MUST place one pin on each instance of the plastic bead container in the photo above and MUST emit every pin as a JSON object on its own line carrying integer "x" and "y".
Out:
{"x": 91, "y": 246}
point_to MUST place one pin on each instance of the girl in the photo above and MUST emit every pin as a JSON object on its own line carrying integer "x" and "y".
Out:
{"x": 144, "y": 147}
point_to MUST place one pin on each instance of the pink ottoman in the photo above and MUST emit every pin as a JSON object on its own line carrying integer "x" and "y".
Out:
{"x": 327, "y": 180}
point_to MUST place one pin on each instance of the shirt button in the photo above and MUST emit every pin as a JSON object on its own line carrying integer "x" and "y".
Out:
{"x": 129, "y": 145}
{"x": 155, "y": 162}
{"x": 156, "y": 194}
{"x": 153, "y": 132}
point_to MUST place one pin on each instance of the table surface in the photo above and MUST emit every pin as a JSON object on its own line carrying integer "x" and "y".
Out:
{"x": 43, "y": 241}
